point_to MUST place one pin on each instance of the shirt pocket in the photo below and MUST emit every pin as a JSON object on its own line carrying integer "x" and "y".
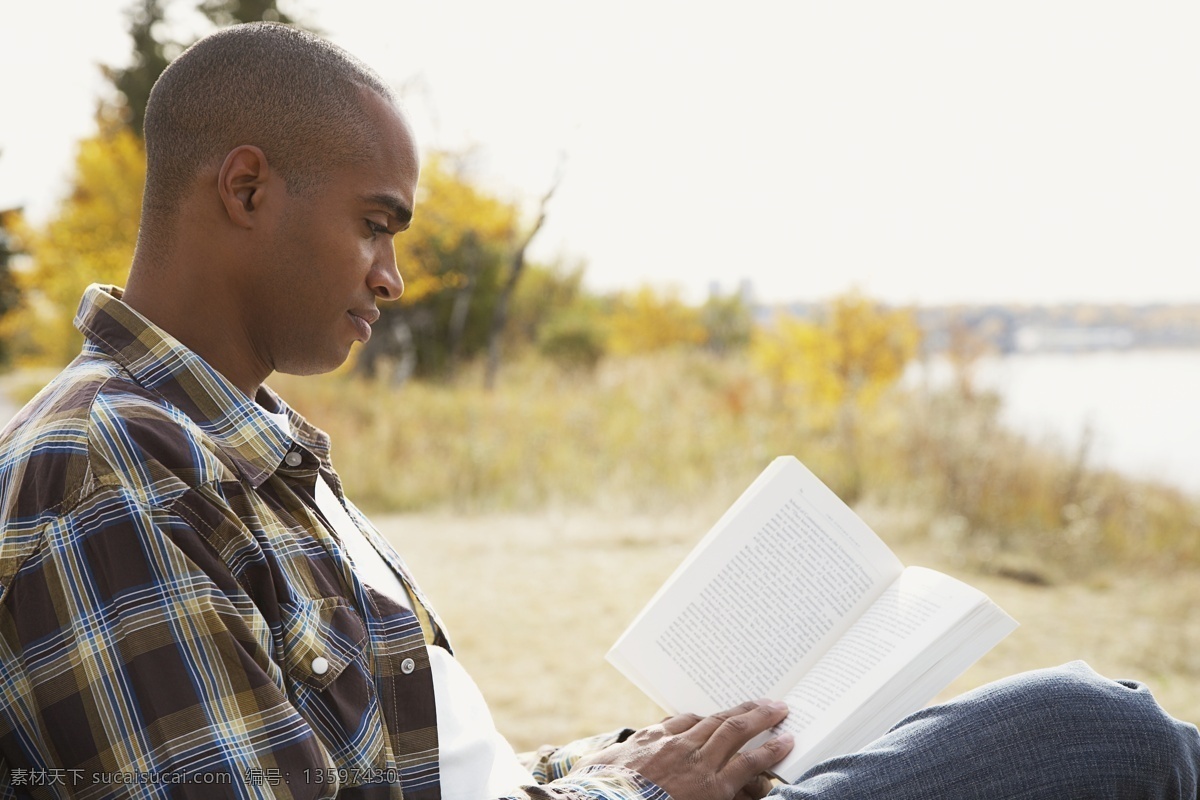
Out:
{"x": 328, "y": 680}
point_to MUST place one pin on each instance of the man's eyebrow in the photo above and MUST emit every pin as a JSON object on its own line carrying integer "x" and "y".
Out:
{"x": 395, "y": 206}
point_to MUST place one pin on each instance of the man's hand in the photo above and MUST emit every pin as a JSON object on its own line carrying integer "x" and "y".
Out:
{"x": 697, "y": 758}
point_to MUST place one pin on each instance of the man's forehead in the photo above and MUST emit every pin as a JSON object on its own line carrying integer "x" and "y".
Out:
{"x": 393, "y": 129}
{"x": 386, "y": 168}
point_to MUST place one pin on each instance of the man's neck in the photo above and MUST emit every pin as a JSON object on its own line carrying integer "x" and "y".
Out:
{"x": 200, "y": 319}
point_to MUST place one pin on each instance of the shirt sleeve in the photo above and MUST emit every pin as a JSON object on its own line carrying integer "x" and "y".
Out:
{"x": 552, "y": 767}
{"x": 131, "y": 671}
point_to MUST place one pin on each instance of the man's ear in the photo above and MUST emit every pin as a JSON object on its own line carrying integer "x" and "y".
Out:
{"x": 242, "y": 183}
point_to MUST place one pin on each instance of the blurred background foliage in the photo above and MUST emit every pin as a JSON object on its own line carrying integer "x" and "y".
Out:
{"x": 637, "y": 400}
{"x": 89, "y": 240}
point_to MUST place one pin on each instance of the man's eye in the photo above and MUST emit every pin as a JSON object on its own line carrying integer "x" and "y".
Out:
{"x": 375, "y": 227}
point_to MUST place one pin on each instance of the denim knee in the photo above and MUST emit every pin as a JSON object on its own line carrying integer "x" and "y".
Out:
{"x": 1042, "y": 735}
{"x": 1128, "y": 731}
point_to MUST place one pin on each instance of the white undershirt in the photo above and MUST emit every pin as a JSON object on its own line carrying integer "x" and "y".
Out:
{"x": 475, "y": 760}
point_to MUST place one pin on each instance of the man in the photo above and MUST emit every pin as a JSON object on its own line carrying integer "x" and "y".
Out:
{"x": 189, "y": 607}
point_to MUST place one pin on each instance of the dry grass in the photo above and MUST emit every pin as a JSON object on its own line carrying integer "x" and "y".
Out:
{"x": 653, "y": 434}
{"x": 638, "y": 432}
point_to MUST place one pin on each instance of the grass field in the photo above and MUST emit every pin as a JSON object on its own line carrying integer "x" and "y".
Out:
{"x": 533, "y": 601}
{"x": 654, "y": 433}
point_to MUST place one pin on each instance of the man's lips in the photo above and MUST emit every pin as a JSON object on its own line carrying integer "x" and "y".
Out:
{"x": 369, "y": 315}
{"x": 363, "y": 319}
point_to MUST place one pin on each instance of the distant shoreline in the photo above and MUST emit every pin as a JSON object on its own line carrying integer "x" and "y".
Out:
{"x": 1067, "y": 327}
{"x": 1132, "y": 409}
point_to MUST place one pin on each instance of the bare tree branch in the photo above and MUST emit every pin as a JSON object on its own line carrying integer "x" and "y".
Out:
{"x": 500, "y": 311}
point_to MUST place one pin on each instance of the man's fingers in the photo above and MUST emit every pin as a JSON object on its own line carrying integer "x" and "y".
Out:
{"x": 698, "y": 757}
{"x": 742, "y": 768}
{"x": 738, "y": 728}
{"x": 680, "y": 723}
{"x": 704, "y": 729}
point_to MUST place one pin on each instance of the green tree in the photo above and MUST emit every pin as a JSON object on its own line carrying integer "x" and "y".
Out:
{"x": 224, "y": 13}
{"x": 728, "y": 322}
{"x": 149, "y": 58}
{"x": 152, "y": 51}
{"x": 575, "y": 335}
{"x": 542, "y": 295}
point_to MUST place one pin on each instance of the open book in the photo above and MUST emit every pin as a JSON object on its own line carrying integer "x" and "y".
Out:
{"x": 791, "y": 596}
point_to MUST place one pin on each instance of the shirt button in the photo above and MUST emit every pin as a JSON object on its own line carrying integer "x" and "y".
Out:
{"x": 293, "y": 459}
{"x": 407, "y": 666}
{"x": 320, "y": 666}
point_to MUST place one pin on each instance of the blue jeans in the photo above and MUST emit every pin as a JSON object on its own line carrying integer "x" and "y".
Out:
{"x": 1054, "y": 733}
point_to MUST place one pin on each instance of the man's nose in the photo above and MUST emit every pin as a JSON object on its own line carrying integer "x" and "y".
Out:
{"x": 385, "y": 280}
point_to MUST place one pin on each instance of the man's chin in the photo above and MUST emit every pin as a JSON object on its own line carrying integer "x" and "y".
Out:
{"x": 315, "y": 366}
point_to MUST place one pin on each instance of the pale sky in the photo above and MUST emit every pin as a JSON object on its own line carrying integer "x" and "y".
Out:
{"x": 1031, "y": 151}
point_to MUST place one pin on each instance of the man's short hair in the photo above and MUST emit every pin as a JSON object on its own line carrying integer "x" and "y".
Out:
{"x": 292, "y": 94}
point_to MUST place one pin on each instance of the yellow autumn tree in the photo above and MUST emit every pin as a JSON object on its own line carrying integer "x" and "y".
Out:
{"x": 870, "y": 347}
{"x": 454, "y": 223}
{"x": 90, "y": 240}
{"x": 647, "y": 320}
{"x": 453, "y": 259}
{"x": 847, "y": 357}
{"x": 13, "y": 232}
{"x": 836, "y": 368}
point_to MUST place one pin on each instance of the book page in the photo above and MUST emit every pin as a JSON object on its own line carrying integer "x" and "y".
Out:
{"x": 892, "y": 622}
{"x": 919, "y": 635}
{"x": 759, "y": 599}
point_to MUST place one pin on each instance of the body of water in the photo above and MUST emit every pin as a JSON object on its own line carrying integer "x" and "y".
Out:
{"x": 1141, "y": 409}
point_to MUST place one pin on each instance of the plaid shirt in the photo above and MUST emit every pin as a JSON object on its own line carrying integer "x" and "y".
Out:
{"x": 176, "y": 620}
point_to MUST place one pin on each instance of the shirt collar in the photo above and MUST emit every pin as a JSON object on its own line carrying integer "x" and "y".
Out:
{"x": 160, "y": 363}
